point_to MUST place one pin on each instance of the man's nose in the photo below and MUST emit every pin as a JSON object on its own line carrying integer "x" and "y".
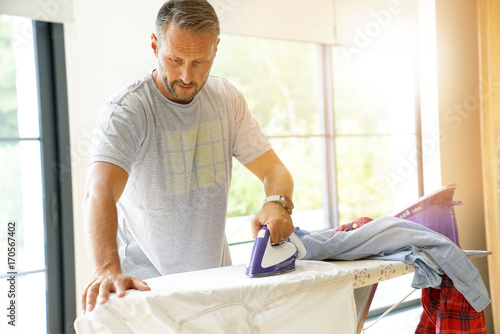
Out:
{"x": 187, "y": 73}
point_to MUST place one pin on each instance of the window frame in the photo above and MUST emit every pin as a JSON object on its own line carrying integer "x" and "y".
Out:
{"x": 56, "y": 176}
{"x": 327, "y": 119}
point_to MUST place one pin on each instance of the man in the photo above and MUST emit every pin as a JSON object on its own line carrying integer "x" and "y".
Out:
{"x": 161, "y": 161}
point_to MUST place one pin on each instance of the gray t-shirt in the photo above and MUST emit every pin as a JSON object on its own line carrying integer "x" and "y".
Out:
{"x": 172, "y": 213}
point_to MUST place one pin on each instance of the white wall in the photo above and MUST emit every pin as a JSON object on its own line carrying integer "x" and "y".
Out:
{"x": 107, "y": 46}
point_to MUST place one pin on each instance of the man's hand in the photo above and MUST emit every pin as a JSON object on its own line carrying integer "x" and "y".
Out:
{"x": 277, "y": 180}
{"x": 99, "y": 288}
{"x": 277, "y": 219}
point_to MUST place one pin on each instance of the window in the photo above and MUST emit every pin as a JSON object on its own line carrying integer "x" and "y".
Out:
{"x": 376, "y": 129}
{"x": 285, "y": 104}
{"x": 342, "y": 125}
{"x": 36, "y": 197}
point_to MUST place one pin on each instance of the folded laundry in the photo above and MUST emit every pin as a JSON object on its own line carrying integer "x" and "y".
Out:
{"x": 390, "y": 238}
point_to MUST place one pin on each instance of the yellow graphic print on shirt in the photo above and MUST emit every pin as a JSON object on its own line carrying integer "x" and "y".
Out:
{"x": 194, "y": 158}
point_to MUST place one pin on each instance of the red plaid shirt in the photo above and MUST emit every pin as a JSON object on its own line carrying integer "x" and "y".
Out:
{"x": 352, "y": 225}
{"x": 446, "y": 311}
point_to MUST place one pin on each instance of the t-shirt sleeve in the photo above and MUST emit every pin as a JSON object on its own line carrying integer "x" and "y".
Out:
{"x": 249, "y": 141}
{"x": 117, "y": 136}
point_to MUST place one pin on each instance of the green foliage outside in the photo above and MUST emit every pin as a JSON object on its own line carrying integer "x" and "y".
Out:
{"x": 8, "y": 97}
{"x": 10, "y": 170}
{"x": 362, "y": 185}
{"x": 277, "y": 79}
{"x": 372, "y": 123}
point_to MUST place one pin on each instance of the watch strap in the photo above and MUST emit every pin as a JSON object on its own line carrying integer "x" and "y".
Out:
{"x": 282, "y": 200}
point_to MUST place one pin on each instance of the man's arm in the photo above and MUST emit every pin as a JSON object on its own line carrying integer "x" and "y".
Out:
{"x": 105, "y": 185}
{"x": 277, "y": 180}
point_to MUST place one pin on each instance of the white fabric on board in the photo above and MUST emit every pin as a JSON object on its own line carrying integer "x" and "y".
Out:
{"x": 315, "y": 298}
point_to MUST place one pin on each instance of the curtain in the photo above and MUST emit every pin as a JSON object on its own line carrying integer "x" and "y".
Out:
{"x": 310, "y": 21}
{"x": 489, "y": 34}
{"x": 359, "y": 23}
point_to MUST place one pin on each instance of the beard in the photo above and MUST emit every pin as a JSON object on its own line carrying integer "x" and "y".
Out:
{"x": 178, "y": 94}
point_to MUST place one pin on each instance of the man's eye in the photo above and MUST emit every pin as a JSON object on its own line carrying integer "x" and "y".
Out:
{"x": 175, "y": 60}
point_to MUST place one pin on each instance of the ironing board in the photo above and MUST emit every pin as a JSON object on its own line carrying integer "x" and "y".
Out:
{"x": 369, "y": 272}
{"x": 366, "y": 276}
{"x": 317, "y": 297}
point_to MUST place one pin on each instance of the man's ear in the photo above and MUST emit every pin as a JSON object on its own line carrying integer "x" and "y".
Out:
{"x": 216, "y": 46}
{"x": 154, "y": 44}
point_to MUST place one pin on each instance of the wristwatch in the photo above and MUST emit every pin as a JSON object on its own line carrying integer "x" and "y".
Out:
{"x": 281, "y": 199}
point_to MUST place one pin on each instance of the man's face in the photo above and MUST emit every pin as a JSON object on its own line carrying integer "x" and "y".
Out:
{"x": 184, "y": 62}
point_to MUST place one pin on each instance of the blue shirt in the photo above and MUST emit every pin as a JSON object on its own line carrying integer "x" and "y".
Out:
{"x": 389, "y": 238}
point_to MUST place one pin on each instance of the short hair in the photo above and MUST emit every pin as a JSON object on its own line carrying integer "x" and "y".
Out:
{"x": 197, "y": 16}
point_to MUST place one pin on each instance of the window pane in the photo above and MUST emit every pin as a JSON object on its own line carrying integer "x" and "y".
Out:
{"x": 8, "y": 98}
{"x": 246, "y": 193}
{"x": 32, "y": 238}
{"x": 30, "y": 304}
{"x": 10, "y": 179}
{"x": 368, "y": 179}
{"x": 240, "y": 253}
{"x": 21, "y": 198}
{"x": 302, "y": 156}
{"x": 18, "y": 102}
{"x": 374, "y": 92}
{"x": 277, "y": 79}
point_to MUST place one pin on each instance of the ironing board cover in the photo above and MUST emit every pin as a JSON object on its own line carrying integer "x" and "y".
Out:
{"x": 315, "y": 298}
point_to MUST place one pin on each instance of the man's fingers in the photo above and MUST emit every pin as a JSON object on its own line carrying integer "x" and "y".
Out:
{"x": 256, "y": 226}
{"x": 139, "y": 284}
{"x": 83, "y": 301}
{"x": 276, "y": 234}
{"x": 120, "y": 287}
{"x": 85, "y": 296}
{"x": 104, "y": 290}
{"x": 277, "y": 219}
{"x": 278, "y": 231}
{"x": 92, "y": 291}
{"x": 99, "y": 289}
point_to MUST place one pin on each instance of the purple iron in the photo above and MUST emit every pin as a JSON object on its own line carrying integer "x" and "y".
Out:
{"x": 267, "y": 259}
{"x": 435, "y": 211}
